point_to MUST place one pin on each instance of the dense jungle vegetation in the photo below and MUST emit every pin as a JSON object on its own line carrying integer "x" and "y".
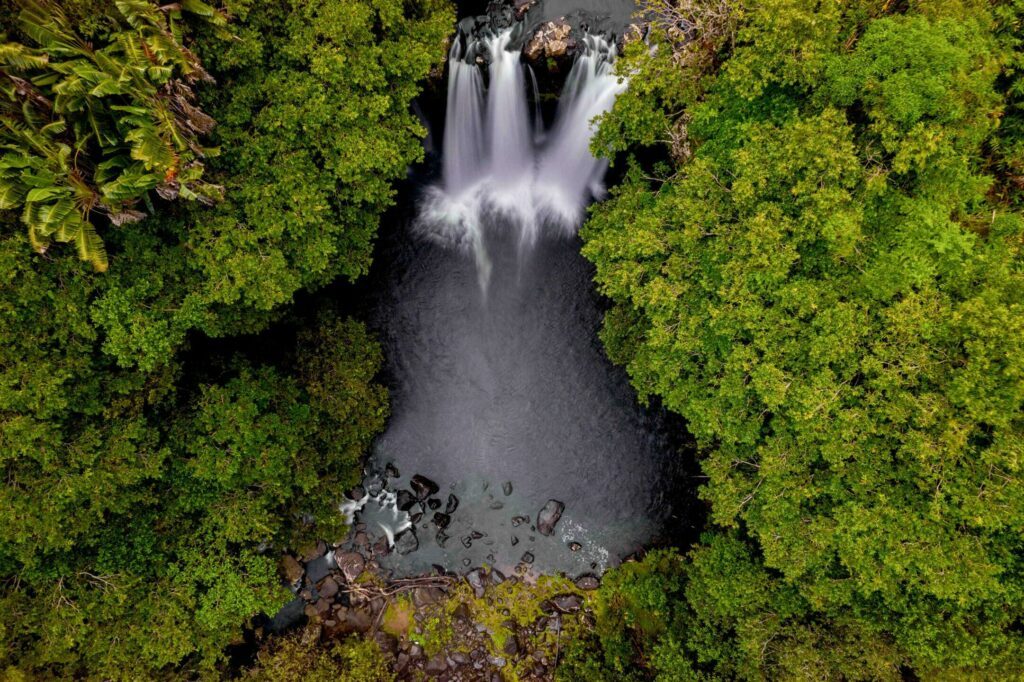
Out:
{"x": 814, "y": 257}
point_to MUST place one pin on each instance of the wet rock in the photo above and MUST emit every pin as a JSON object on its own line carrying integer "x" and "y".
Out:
{"x": 549, "y": 516}
{"x": 328, "y": 588}
{"x": 476, "y": 535}
{"x": 291, "y": 569}
{"x": 588, "y": 582}
{"x": 506, "y": 488}
{"x": 575, "y": 546}
{"x": 459, "y": 659}
{"x": 515, "y": 541}
{"x": 567, "y": 603}
{"x": 497, "y": 577}
{"x": 405, "y": 500}
{"x": 551, "y": 39}
{"x": 391, "y": 471}
{"x": 318, "y": 569}
{"x": 527, "y": 558}
{"x": 511, "y": 647}
{"x": 357, "y": 493}
{"x": 475, "y": 578}
{"x": 434, "y": 504}
{"x": 519, "y": 520}
{"x": 442, "y": 520}
{"x": 453, "y": 504}
{"x": 436, "y": 665}
{"x": 467, "y": 541}
{"x": 416, "y": 518}
{"x": 426, "y": 596}
{"x": 314, "y": 550}
{"x": 406, "y": 542}
{"x": 350, "y": 564}
{"x": 423, "y": 487}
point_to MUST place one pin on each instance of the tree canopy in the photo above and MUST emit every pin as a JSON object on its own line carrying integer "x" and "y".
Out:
{"x": 144, "y": 503}
{"x": 824, "y": 277}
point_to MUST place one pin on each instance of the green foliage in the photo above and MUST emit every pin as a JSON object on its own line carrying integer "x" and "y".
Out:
{"x": 295, "y": 659}
{"x": 825, "y": 285}
{"x": 91, "y": 130}
{"x": 144, "y": 505}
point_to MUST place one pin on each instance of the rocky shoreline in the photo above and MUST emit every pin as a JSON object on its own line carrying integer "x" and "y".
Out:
{"x": 480, "y": 625}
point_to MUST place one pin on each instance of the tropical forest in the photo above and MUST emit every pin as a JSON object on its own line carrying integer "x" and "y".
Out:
{"x": 512, "y": 340}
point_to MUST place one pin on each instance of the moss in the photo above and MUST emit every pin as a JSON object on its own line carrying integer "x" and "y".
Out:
{"x": 398, "y": 616}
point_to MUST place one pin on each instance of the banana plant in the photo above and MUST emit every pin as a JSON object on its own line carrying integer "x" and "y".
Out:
{"x": 88, "y": 132}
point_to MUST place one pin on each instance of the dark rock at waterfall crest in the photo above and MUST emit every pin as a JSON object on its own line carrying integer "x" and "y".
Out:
{"x": 552, "y": 40}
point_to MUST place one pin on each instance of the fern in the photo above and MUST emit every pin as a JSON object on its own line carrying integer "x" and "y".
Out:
{"x": 123, "y": 108}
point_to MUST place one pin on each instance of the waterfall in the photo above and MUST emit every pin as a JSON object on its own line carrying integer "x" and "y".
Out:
{"x": 499, "y": 163}
{"x": 463, "y": 154}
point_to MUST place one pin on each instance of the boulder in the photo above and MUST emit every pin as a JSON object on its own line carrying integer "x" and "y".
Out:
{"x": 567, "y": 603}
{"x": 423, "y": 487}
{"x": 549, "y": 516}
{"x": 291, "y": 569}
{"x": 405, "y": 500}
{"x": 328, "y": 588}
{"x": 551, "y": 39}
{"x": 350, "y": 564}
{"x": 318, "y": 569}
{"x": 406, "y": 542}
{"x": 475, "y": 578}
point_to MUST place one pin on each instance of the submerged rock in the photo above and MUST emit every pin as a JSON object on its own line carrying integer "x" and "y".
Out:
{"x": 442, "y": 520}
{"x": 575, "y": 546}
{"x": 506, "y": 488}
{"x": 549, "y": 516}
{"x": 405, "y": 500}
{"x": 391, "y": 471}
{"x": 406, "y": 542}
{"x": 453, "y": 504}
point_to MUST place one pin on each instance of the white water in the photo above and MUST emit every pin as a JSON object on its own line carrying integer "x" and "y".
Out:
{"x": 498, "y": 162}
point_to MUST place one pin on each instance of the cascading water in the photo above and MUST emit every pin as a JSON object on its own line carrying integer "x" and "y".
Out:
{"x": 506, "y": 400}
{"x": 498, "y": 160}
